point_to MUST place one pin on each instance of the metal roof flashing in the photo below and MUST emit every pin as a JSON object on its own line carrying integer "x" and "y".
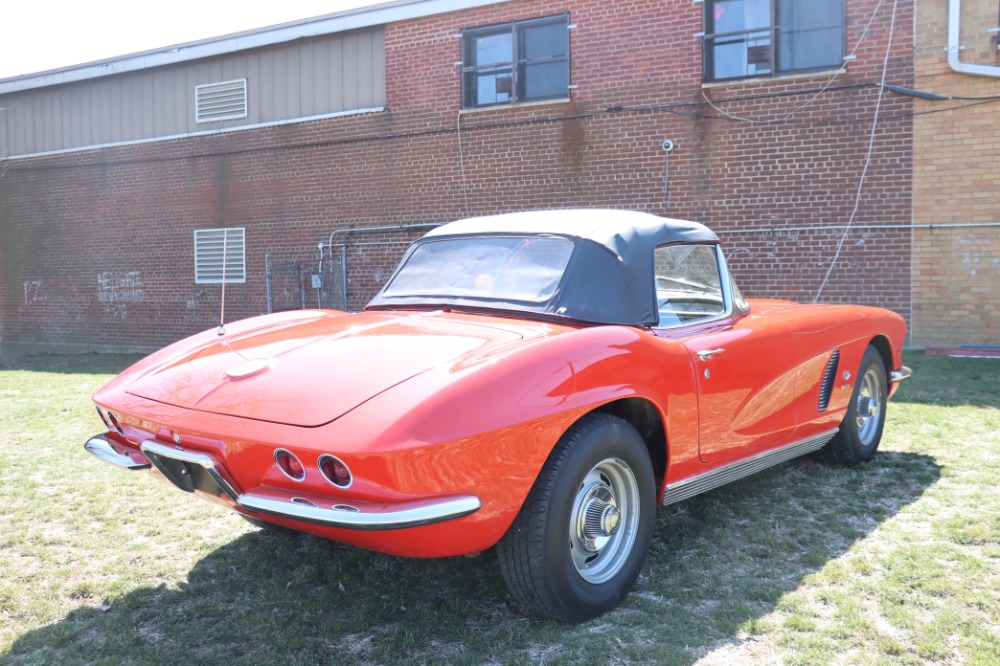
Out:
{"x": 328, "y": 24}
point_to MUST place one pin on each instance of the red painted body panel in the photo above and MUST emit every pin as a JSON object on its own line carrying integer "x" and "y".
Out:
{"x": 428, "y": 405}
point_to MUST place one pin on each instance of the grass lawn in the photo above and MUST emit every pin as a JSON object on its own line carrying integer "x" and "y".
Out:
{"x": 894, "y": 562}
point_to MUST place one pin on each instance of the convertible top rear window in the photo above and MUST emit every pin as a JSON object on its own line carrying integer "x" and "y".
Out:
{"x": 501, "y": 268}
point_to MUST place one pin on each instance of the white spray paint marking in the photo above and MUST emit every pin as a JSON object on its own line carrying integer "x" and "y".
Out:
{"x": 120, "y": 287}
{"x": 32, "y": 292}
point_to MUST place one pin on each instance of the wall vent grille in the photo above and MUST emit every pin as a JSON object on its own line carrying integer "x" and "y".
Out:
{"x": 225, "y": 100}
{"x": 208, "y": 246}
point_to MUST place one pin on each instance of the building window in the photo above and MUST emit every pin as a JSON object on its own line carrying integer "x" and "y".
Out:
{"x": 766, "y": 37}
{"x": 516, "y": 62}
{"x": 220, "y": 101}
{"x": 219, "y": 252}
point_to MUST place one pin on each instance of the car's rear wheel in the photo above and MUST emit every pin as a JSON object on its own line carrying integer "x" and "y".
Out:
{"x": 577, "y": 545}
{"x": 861, "y": 430}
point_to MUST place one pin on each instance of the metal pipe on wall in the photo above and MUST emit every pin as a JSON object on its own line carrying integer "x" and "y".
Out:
{"x": 955, "y": 46}
{"x": 362, "y": 230}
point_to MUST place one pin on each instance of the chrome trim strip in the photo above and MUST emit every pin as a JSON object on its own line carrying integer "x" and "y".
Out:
{"x": 155, "y": 450}
{"x": 900, "y": 375}
{"x": 413, "y": 514}
{"x": 696, "y": 485}
{"x": 99, "y": 446}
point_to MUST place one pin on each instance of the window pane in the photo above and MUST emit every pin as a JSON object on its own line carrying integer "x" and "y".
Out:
{"x": 489, "y": 87}
{"x": 492, "y": 269}
{"x": 810, "y": 34}
{"x": 740, "y": 15}
{"x": 544, "y": 41}
{"x": 494, "y": 49}
{"x": 687, "y": 284}
{"x": 545, "y": 80}
{"x": 741, "y": 55}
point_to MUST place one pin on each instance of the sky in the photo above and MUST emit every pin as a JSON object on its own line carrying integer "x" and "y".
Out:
{"x": 38, "y": 35}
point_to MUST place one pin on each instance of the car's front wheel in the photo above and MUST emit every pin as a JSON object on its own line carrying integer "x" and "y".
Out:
{"x": 577, "y": 545}
{"x": 861, "y": 430}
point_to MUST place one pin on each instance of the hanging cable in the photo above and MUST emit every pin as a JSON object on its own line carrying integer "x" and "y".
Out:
{"x": 868, "y": 156}
{"x": 461, "y": 163}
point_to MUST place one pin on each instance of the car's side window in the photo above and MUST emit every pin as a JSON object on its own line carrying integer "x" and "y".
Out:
{"x": 688, "y": 287}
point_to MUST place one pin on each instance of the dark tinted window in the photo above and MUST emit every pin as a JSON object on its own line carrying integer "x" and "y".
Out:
{"x": 762, "y": 37}
{"x": 516, "y": 62}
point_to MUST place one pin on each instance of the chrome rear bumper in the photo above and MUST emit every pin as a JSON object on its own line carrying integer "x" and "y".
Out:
{"x": 193, "y": 470}
{"x": 900, "y": 375}
{"x": 362, "y": 516}
{"x": 102, "y": 448}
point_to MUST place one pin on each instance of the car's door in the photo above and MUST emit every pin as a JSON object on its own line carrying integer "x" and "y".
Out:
{"x": 745, "y": 368}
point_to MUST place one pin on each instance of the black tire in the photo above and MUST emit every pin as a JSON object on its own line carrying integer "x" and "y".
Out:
{"x": 578, "y": 544}
{"x": 861, "y": 430}
{"x": 270, "y": 527}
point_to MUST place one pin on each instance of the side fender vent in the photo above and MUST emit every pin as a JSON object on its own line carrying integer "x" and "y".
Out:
{"x": 829, "y": 376}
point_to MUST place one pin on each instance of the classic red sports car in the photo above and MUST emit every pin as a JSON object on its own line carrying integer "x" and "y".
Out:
{"x": 534, "y": 381}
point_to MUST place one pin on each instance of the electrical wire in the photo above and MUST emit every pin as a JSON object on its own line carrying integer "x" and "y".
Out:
{"x": 868, "y": 156}
{"x": 10, "y": 164}
{"x": 461, "y": 163}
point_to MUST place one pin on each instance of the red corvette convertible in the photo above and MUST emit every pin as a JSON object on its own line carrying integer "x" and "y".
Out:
{"x": 537, "y": 382}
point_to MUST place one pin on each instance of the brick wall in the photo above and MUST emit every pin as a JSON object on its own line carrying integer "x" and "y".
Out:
{"x": 96, "y": 246}
{"x": 956, "y": 269}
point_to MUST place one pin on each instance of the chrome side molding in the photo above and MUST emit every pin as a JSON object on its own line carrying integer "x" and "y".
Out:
{"x": 359, "y": 517}
{"x": 900, "y": 375}
{"x": 696, "y": 485}
{"x": 99, "y": 446}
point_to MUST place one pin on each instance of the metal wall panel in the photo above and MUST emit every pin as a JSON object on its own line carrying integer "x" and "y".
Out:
{"x": 302, "y": 79}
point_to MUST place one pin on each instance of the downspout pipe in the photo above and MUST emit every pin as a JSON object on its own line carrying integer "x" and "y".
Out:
{"x": 955, "y": 46}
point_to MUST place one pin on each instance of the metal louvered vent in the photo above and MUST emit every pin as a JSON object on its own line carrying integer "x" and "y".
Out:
{"x": 220, "y": 101}
{"x": 208, "y": 253}
{"x": 829, "y": 376}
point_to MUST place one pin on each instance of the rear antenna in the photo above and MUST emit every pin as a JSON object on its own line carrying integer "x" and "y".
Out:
{"x": 222, "y": 314}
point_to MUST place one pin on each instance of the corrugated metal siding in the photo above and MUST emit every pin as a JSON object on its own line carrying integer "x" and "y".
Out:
{"x": 301, "y": 79}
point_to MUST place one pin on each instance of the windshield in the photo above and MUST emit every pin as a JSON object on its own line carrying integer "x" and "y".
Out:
{"x": 501, "y": 268}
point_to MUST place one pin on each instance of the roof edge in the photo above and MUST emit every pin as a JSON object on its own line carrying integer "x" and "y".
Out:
{"x": 327, "y": 24}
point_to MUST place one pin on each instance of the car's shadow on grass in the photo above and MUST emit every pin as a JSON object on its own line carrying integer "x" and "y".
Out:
{"x": 718, "y": 562}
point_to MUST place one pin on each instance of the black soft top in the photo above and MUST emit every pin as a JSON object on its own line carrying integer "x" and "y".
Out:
{"x": 610, "y": 278}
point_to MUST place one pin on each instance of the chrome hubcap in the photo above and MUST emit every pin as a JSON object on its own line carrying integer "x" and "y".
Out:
{"x": 869, "y": 405}
{"x": 605, "y": 520}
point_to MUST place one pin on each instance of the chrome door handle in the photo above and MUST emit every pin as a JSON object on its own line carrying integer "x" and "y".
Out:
{"x": 707, "y": 354}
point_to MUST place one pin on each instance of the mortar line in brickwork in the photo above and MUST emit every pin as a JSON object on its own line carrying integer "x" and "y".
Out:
{"x": 832, "y": 227}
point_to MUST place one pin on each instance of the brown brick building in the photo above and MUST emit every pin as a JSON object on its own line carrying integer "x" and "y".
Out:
{"x": 119, "y": 179}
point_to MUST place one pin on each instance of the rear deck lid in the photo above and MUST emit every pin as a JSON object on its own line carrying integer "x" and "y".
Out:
{"x": 310, "y": 373}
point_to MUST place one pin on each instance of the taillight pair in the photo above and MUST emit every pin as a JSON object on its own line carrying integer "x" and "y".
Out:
{"x": 332, "y": 468}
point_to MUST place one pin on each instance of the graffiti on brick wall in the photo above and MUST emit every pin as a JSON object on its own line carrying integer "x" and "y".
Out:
{"x": 116, "y": 289}
{"x": 977, "y": 253}
{"x": 33, "y": 292}
{"x": 119, "y": 287}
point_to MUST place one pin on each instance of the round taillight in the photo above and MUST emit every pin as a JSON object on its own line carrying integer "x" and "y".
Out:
{"x": 335, "y": 471}
{"x": 289, "y": 465}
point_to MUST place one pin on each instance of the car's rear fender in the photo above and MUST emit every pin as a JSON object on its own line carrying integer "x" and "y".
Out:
{"x": 499, "y": 418}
